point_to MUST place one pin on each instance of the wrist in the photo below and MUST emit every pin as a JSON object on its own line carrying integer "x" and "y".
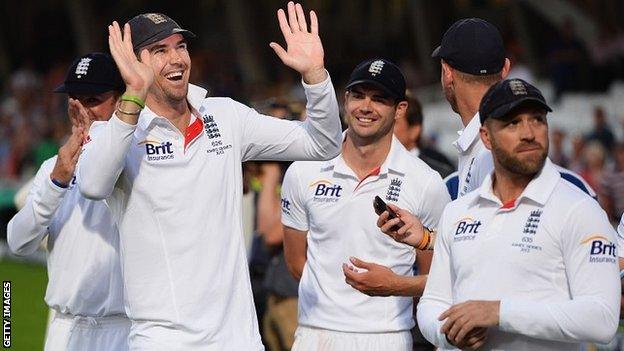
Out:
{"x": 314, "y": 76}
{"x": 136, "y": 92}
{"x": 60, "y": 182}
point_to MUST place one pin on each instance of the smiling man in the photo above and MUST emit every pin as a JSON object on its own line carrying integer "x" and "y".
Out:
{"x": 527, "y": 261}
{"x": 169, "y": 166}
{"x": 331, "y": 241}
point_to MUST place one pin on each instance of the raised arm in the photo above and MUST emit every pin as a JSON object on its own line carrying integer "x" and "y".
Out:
{"x": 99, "y": 169}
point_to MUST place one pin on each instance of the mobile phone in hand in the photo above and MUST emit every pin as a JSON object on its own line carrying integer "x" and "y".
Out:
{"x": 380, "y": 206}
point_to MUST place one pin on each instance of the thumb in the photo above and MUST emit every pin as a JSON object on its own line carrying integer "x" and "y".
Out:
{"x": 279, "y": 51}
{"x": 359, "y": 263}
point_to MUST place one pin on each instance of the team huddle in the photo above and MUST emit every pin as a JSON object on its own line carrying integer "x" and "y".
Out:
{"x": 142, "y": 208}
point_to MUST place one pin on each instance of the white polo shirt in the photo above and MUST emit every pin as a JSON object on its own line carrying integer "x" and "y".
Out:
{"x": 84, "y": 274}
{"x": 475, "y": 162}
{"x": 178, "y": 202}
{"x": 550, "y": 258}
{"x": 327, "y": 200}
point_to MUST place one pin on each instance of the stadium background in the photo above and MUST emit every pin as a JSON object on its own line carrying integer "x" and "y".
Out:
{"x": 572, "y": 49}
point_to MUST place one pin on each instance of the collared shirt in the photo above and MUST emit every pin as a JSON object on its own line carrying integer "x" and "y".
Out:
{"x": 549, "y": 257}
{"x": 474, "y": 159}
{"x": 84, "y": 274}
{"x": 335, "y": 207}
{"x": 178, "y": 201}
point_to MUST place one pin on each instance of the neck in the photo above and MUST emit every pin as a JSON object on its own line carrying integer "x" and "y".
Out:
{"x": 468, "y": 99}
{"x": 508, "y": 186}
{"x": 363, "y": 156}
{"x": 177, "y": 112}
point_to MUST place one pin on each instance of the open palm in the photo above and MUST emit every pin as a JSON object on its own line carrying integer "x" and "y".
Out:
{"x": 304, "y": 50}
{"x": 137, "y": 75}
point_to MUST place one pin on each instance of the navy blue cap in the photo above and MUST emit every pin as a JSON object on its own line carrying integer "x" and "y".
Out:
{"x": 148, "y": 28}
{"x": 380, "y": 73}
{"x": 93, "y": 73}
{"x": 504, "y": 96}
{"x": 473, "y": 46}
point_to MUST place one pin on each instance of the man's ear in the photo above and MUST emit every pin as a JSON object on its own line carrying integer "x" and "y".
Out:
{"x": 486, "y": 135}
{"x": 447, "y": 73}
{"x": 401, "y": 110}
{"x": 506, "y": 68}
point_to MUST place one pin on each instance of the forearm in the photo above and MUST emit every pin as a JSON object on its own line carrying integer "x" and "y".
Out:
{"x": 409, "y": 285}
{"x": 28, "y": 227}
{"x": 323, "y": 118}
{"x": 427, "y": 320}
{"x": 585, "y": 319}
{"x": 103, "y": 159}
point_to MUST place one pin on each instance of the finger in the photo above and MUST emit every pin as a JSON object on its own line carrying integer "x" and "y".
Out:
{"x": 445, "y": 314}
{"x": 279, "y": 51}
{"x": 127, "y": 39}
{"x": 292, "y": 17}
{"x": 359, "y": 263}
{"x": 303, "y": 25}
{"x": 283, "y": 24}
{"x": 313, "y": 23}
{"x": 463, "y": 331}
{"x": 388, "y": 227}
{"x": 383, "y": 217}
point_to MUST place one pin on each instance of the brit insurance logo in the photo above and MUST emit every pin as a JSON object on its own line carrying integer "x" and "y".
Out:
{"x": 326, "y": 191}
{"x": 285, "y": 204}
{"x": 466, "y": 229}
{"x": 601, "y": 249}
{"x": 158, "y": 150}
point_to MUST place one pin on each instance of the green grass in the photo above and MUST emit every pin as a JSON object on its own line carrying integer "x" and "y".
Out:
{"x": 29, "y": 312}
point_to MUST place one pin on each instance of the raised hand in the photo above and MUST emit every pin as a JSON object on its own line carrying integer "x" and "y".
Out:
{"x": 79, "y": 116}
{"x": 68, "y": 154}
{"x": 304, "y": 50}
{"x": 411, "y": 233}
{"x": 137, "y": 75}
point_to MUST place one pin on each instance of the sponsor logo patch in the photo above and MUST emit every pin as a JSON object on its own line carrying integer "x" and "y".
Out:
{"x": 466, "y": 229}
{"x": 326, "y": 191}
{"x": 601, "y": 249}
{"x": 158, "y": 150}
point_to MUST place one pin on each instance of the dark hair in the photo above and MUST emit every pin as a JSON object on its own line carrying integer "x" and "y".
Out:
{"x": 414, "y": 115}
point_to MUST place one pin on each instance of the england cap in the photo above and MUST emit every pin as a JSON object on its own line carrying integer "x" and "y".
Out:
{"x": 473, "y": 46}
{"x": 93, "y": 73}
{"x": 382, "y": 74}
{"x": 148, "y": 28}
{"x": 505, "y": 96}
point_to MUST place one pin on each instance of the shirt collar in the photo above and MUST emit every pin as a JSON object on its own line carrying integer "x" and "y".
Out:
{"x": 195, "y": 97}
{"x": 468, "y": 135}
{"x": 392, "y": 163}
{"x": 538, "y": 190}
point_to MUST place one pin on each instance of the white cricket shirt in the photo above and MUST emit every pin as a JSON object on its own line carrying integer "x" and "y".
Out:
{"x": 550, "y": 258}
{"x": 327, "y": 200}
{"x": 84, "y": 274}
{"x": 178, "y": 202}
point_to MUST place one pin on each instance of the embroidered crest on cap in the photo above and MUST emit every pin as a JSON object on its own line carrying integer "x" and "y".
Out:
{"x": 156, "y": 18}
{"x": 376, "y": 67}
{"x": 517, "y": 87}
{"x": 82, "y": 67}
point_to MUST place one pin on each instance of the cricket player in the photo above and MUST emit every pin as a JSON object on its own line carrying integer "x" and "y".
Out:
{"x": 168, "y": 164}
{"x": 527, "y": 261}
{"x": 330, "y": 239}
{"x": 85, "y": 290}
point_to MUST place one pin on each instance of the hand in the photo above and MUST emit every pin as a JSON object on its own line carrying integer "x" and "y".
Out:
{"x": 377, "y": 280}
{"x": 304, "y": 49}
{"x": 411, "y": 233}
{"x": 68, "y": 154}
{"x": 79, "y": 116}
{"x": 137, "y": 75}
{"x": 473, "y": 340}
{"x": 462, "y": 318}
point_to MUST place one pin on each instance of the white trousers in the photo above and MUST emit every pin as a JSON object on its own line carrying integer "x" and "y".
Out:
{"x": 78, "y": 333}
{"x": 313, "y": 339}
